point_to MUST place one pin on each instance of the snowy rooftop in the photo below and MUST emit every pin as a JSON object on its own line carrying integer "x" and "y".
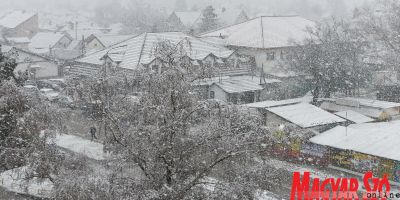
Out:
{"x": 189, "y": 19}
{"x": 139, "y": 50}
{"x": 15, "y": 18}
{"x": 265, "y": 32}
{"x": 269, "y": 104}
{"x": 374, "y": 103}
{"x": 5, "y": 48}
{"x": 369, "y": 107}
{"x": 19, "y": 39}
{"x": 45, "y": 40}
{"x": 238, "y": 84}
{"x": 305, "y": 115}
{"x": 354, "y": 116}
{"x": 378, "y": 139}
{"x": 109, "y": 40}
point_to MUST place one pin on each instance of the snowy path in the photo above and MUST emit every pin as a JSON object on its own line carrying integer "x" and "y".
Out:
{"x": 93, "y": 150}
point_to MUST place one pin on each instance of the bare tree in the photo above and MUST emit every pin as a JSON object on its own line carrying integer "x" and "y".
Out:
{"x": 333, "y": 57}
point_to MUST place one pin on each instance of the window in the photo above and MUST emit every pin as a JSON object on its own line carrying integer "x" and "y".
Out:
{"x": 154, "y": 68}
{"x": 271, "y": 56}
{"x": 283, "y": 55}
{"x": 212, "y": 94}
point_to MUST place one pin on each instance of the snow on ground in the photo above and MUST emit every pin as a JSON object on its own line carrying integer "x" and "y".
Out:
{"x": 15, "y": 180}
{"x": 93, "y": 150}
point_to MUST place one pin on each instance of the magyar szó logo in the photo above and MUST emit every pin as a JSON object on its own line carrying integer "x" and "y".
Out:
{"x": 341, "y": 188}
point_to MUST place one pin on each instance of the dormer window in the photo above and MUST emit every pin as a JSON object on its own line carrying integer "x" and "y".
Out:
{"x": 271, "y": 56}
{"x": 155, "y": 68}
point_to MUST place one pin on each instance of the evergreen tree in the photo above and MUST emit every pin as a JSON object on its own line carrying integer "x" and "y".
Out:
{"x": 209, "y": 20}
{"x": 7, "y": 66}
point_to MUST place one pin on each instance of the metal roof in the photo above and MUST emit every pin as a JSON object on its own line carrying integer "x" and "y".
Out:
{"x": 140, "y": 49}
{"x": 378, "y": 139}
{"x": 239, "y": 84}
{"x": 305, "y": 115}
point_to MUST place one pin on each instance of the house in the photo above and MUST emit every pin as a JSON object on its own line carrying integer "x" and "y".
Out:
{"x": 378, "y": 110}
{"x": 184, "y": 21}
{"x": 364, "y": 147}
{"x": 19, "y": 24}
{"x": 98, "y": 42}
{"x": 138, "y": 52}
{"x": 236, "y": 89}
{"x": 46, "y": 42}
{"x": 38, "y": 66}
{"x": 297, "y": 112}
{"x": 267, "y": 38}
{"x": 19, "y": 42}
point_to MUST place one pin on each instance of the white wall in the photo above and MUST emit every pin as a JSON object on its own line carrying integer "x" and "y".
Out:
{"x": 219, "y": 93}
{"x": 260, "y": 56}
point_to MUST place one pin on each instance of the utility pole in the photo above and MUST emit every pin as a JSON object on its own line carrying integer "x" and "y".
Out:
{"x": 105, "y": 92}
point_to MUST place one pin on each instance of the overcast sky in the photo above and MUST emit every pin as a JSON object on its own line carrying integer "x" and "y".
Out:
{"x": 254, "y": 6}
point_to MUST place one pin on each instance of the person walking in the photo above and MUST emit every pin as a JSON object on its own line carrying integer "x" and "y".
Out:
{"x": 93, "y": 132}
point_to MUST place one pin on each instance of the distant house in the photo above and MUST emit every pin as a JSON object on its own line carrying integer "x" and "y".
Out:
{"x": 184, "y": 21}
{"x": 19, "y": 42}
{"x": 46, "y": 42}
{"x": 378, "y": 110}
{"x": 19, "y": 24}
{"x": 98, "y": 42}
{"x": 267, "y": 38}
{"x": 137, "y": 53}
{"x": 37, "y": 66}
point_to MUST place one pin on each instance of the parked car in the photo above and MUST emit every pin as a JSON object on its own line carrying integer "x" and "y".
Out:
{"x": 59, "y": 82}
{"x": 30, "y": 83}
{"x": 65, "y": 101}
{"x": 49, "y": 93}
{"x": 48, "y": 84}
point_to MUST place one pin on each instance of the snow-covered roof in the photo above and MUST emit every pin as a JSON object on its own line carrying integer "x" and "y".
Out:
{"x": 44, "y": 40}
{"x": 139, "y": 50}
{"x": 265, "y": 32}
{"x": 378, "y": 139}
{"x": 5, "y": 48}
{"x": 369, "y": 107}
{"x": 374, "y": 103}
{"x": 269, "y": 104}
{"x": 354, "y": 116}
{"x": 15, "y": 18}
{"x": 305, "y": 115}
{"x": 19, "y": 39}
{"x": 239, "y": 84}
{"x": 109, "y": 40}
{"x": 189, "y": 19}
